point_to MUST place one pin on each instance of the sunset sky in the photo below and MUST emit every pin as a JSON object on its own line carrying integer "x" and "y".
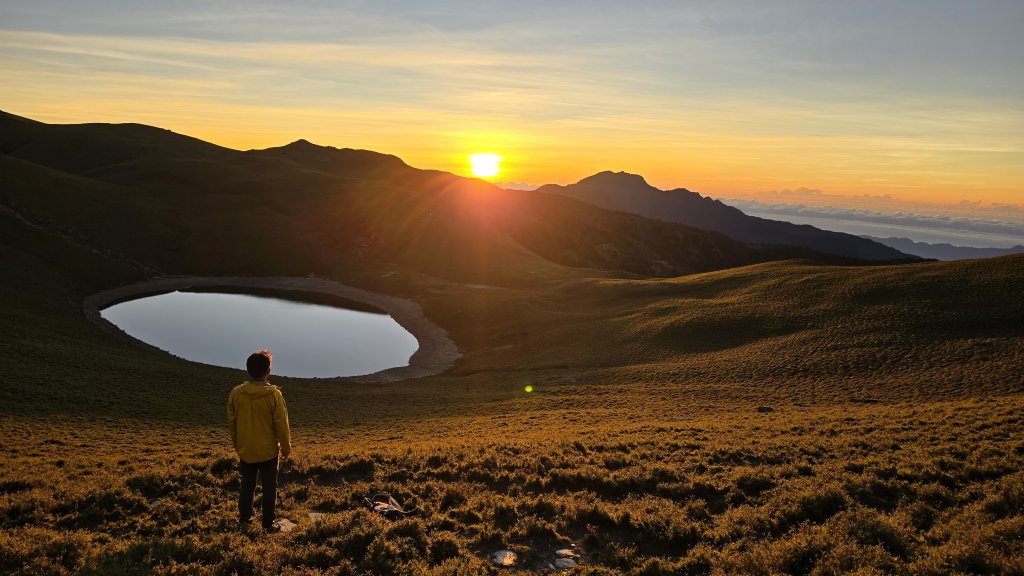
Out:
{"x": 914, "y": 101}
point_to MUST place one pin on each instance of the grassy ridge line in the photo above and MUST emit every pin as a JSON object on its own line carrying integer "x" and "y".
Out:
{"x": 322, "y": 210}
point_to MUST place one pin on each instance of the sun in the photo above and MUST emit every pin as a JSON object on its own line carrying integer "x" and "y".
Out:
{"x": 485, "y": 165}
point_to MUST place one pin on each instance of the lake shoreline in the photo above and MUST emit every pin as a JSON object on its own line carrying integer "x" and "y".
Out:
{"x": 436, "y": 353}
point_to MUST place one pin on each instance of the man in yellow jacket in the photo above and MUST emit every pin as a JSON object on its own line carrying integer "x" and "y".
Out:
{"x": 258, "y": 421}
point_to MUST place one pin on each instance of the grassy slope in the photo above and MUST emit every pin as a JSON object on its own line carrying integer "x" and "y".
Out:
{"x": 894, "y": 445}
{"x": 308, "y": 208}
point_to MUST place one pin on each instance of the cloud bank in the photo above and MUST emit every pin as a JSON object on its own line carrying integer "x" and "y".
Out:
{"x": 956, "y": 230}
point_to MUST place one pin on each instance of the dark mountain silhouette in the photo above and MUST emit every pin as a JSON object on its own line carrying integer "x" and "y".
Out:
{"x": 82, "y": 148}
{"x": 945, "y": 251}
{"x": 339, "y": 161}
{"x": 631, "y": 193}
{"x": 181, "y": 205}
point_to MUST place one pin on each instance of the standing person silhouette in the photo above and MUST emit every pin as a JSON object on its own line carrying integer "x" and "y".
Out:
{"x": 258, "y": 422}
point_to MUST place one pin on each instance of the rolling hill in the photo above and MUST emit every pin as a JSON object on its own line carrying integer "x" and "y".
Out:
{"x": 775, "y": 417}
{"x": 300, "y": 202}
{"x": 631, "y": 193}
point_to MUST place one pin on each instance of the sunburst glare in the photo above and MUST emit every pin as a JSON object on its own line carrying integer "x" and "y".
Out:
{"x": 485, "y": 165}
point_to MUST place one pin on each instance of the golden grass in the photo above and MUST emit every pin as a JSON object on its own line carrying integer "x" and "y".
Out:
{"x": 894, "y": 445}
{"x": 930, "y": 488}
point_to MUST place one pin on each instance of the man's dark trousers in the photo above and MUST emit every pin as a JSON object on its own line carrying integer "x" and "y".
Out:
{"x": 268, "y": 480}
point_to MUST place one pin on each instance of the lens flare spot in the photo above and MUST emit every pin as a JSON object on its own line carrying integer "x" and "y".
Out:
{"x": 528, "y": 389}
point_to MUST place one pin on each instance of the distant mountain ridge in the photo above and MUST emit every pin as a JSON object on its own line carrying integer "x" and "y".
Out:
{"x": 162, "y": 200}
{"x": 945, "y": 251}
{"x": 631, "y": 193}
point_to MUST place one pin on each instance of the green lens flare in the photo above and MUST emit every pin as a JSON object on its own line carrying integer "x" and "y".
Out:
{"x": 529, "y": 388}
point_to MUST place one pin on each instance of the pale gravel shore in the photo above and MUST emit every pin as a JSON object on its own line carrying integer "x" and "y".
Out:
{"x": 436, "y": 353}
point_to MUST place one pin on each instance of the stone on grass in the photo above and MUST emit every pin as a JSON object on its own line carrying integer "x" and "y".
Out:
{"x": 765, "y": 409}
{"x": 566, "y": 553}
{"x": 316, "y": 516}
{"x": 285, "y": 525}
{"x": 504, "y": 558}
{"x": 564, "y": 563}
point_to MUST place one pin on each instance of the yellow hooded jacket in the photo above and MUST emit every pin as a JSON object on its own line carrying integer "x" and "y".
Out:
{"x": 258, "y": 421}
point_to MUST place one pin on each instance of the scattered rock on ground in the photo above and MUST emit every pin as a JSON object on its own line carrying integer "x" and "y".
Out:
{"x": 566, "y": 553}
{"x": 564, "y": 563}
{"x": 285, "y": 525}
{"x": 765, "y": 409}
{"x": 316, "y": 516}
{"x": 504, "y": 558}
{"x": 565, "y": 559}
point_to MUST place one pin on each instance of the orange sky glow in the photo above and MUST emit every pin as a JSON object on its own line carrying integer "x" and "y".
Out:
{"x": 712, "y": 99}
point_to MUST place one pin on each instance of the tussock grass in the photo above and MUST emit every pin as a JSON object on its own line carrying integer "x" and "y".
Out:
{"x": 905, "y": 488}
{"x": 893, "y": 445}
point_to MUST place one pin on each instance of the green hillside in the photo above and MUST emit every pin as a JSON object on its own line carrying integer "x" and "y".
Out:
{"x": 892, "y": 445}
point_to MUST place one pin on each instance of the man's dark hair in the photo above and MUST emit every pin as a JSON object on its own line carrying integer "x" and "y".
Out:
{"x": 258, "y": 363}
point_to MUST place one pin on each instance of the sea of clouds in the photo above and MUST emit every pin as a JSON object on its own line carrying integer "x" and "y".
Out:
{"x": 979, "y": 232}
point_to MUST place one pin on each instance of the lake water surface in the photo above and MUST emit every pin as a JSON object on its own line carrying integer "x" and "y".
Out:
{"x": 307, "y": 340}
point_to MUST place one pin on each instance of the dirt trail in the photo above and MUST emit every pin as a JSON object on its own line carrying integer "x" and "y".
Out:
{"x": 435, "y": 355}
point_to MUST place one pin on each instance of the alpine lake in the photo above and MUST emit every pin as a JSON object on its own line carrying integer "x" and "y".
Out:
{"x": 307, "y": 339}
